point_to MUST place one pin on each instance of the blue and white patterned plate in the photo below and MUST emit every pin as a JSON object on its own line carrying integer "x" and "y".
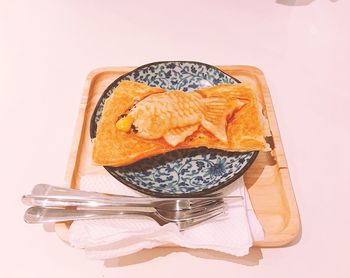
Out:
{"x": 182, "y": 173}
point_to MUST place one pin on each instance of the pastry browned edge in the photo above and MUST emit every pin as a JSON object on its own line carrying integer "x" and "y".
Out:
{"x": 246, "y": 130}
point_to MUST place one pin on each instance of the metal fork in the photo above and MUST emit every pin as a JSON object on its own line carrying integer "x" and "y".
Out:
{"x": 53, "y": 196}
{"x": 161, "y": 205}
{"x": 184, "y": 219}
{"x": 57, "y": 204}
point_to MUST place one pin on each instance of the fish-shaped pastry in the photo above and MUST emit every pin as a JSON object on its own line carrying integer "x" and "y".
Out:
{"x": 139, "y": 121}
{"x": 175, "y": 115}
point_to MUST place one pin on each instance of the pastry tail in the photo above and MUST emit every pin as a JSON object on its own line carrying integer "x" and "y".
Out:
{"x": 217, "y": 112}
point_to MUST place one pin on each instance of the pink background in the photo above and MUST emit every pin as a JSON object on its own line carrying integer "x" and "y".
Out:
{"x": 48, "y": 47}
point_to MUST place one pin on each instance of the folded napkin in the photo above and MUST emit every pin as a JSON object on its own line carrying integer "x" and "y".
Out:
{"x": 232, "y": 233}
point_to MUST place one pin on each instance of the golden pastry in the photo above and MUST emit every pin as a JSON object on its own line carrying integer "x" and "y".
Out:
{"x": 139, "y": 121}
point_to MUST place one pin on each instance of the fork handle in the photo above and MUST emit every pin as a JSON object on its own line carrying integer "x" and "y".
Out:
{"x": 37, "y": 215}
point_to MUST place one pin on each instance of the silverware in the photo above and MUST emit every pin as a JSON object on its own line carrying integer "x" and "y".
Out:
{"x": 52, "y": 196}
{"x": 57, "y": 204}
{"x": 171, "y": 205}
{"x": 184, "y": 219}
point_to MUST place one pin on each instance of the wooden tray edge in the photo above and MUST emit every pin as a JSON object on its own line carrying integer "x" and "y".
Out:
{"x": 292, "y": 230}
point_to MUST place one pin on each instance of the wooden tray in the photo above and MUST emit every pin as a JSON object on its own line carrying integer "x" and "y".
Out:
{"x": 267, "y": 180}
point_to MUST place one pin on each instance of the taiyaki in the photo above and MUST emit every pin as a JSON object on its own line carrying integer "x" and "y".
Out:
{"x": 139, "y": 121}
{"x": 175, "y": 115}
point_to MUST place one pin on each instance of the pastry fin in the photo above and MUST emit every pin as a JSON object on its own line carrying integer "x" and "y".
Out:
{"x": 179, "y": 134}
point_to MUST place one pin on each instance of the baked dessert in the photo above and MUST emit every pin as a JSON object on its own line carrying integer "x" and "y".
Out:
{"x": 140, "y": 121}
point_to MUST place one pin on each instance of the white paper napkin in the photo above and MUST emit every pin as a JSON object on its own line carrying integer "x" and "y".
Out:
{"x": 232, "y": 233}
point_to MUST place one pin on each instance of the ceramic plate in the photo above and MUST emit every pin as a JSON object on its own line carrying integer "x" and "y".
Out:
{"x": 182, "y": 173}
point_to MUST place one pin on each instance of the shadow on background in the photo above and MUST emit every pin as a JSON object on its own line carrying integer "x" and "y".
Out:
{"x": 298, "y": 2}
{"x": 251, "y": 259}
